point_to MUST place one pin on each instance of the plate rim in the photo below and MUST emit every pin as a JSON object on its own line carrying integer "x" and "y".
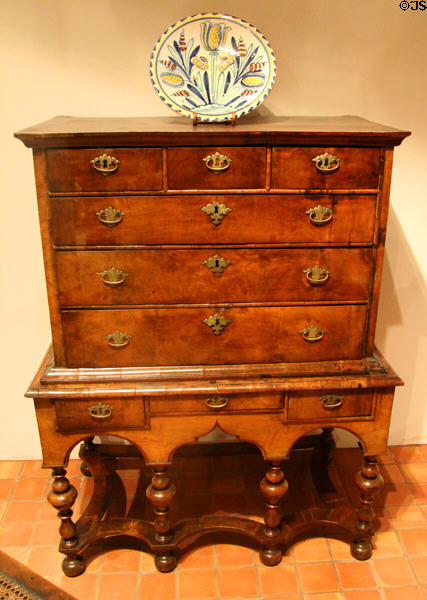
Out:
{"x": 213, "y": 118}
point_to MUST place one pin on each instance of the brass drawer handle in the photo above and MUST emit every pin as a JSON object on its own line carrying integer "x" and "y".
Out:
{"x": 326, "y": 163}
{"x": 319, "y": 215}
{"x": 217, "y": 402}
{"x": 331, "y": 401}
{"x": 217, "y": 323}
{"x": 118, "y": 339}
{"x": 110, "y": 216}
{"x": 217, "y": 162}
{"x": 113, "y": 276}
{"x": 312, "y": 333}
{"x": 217, "y": 264}
{"x": 316, "y": 275}
{"x": 105, "y": 164}
{"x": 216, "y": 211}
{"x": 100, "y": 411}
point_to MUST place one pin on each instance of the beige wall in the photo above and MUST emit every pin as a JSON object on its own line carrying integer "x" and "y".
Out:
{"x": 90, "y": 58}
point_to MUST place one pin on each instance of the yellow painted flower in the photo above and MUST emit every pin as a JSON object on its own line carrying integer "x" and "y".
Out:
{"x": 213, "y": 35}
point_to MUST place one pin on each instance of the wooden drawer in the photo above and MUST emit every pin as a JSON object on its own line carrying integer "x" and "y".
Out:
{"x": 179, "y": 336}
{"x": 180, "y": 220}
{"x": 180, "y": 276}
{"x": 209, "y": 403}
{"x": 325, "y": 405}
{"x": 72, "y": 171}
{"x": 293, "y": 168}
{"x": 187, "y": 169}
{"x": 94, "y": 415}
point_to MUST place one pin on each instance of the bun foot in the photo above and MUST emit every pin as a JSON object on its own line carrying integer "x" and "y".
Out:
{"x": 361, "y": 549}
{"x": 73, "y": 565}
{"x": 270, "y": 556}
{"x": 165, "y": 562}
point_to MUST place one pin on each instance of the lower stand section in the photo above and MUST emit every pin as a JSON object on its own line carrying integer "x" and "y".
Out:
{"x": 330, "y": 516}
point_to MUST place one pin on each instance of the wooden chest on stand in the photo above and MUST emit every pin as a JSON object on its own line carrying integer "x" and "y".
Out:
{"x": 206, "y": 279}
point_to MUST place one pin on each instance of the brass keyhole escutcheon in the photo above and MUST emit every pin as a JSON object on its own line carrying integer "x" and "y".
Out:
{"x": 217, "y": 264}
{"x": 118, "y": 339}
{"x": 217, "y": 323}
{"x": 217, "y": 162}
{"x": 216, "y": 211}
{"x": 217, "y": 402}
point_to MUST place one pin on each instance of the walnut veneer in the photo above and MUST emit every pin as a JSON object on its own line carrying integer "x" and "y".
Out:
{"x": 189, "y": 304}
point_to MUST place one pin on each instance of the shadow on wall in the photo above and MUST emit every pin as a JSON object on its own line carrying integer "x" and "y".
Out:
{"x": 401, "y": 333}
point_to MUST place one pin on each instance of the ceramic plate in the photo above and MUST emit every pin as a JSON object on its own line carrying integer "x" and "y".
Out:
{"x": 213, "y": 65}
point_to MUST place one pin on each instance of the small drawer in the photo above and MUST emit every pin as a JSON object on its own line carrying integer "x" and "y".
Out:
{"x": 211, "y": 403}
{"x": 327, "y": 405}
{"x": 191, "y": 219}
{"x": 295, "y": 168}
{"x": 217, "y": 168}
{"x": 95, "y": 415}
{"x": 105, "y": 169}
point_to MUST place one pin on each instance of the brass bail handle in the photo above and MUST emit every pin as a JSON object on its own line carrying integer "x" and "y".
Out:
{"x": 110, "y": 216}
{"x": 217, "y": 402}
{"x": 118, "y": 339}
{"x": 113, "y": 277}
{"x": 326, "y": 163}
{"x": 331, "y": 401}
{"x": 100, "y": 411}
{"x": 312, "y": 334}
{"x": 319, "y": 215}
{"x": 104, "y": 164}
{"x": 316, "y": 275}
{"x": 217, "y": 162}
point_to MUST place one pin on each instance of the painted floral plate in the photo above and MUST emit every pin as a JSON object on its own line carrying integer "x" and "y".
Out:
{"x": 213, "y": 65}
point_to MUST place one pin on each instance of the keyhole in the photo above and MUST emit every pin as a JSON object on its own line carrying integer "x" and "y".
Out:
{"x": 216, "y": 262}
{"x": 216, "y": 209}
{"x": 217, "y": 321}
{"x": 104, "y": 163}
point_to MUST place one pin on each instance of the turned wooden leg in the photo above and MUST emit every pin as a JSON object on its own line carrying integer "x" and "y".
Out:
{"x": 369, "y": 481}
{"x": 87, "y": 447}
{"x": 62, "y": 497}
{"x": 160, "y": 493}
{"x": 274, "y": 486}
{"x": 320, "y": 458}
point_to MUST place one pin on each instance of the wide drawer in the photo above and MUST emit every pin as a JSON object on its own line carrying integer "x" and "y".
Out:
{"x": 240, "y": 219}
{"x": 108, "y": 277}
{"x": 329, "y": 404}
{"x": 72, "y": 170}
{"x": 213, "y": 168}
{"x": 294, "y": 168}
{"x": 209, "y": 403}
{"x": 94, "y": 415}
{"x": 186, "y": 336}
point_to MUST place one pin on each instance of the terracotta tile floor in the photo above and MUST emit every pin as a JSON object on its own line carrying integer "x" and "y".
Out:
{"x": 316, "y": 569}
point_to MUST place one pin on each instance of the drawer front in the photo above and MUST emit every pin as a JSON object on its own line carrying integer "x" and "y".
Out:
{"x": 94, "y": 415}
{"x": 108, "y": 277}
{"x": 209, "y": 403}
{"x": 186, "y": 336}
{"x": 183, "y": 220}
{"x": 72, "y": 170}
{"x": 212, "y": 168}
{"x": 322, "y": 405}
{"x": 293, "y": 168}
